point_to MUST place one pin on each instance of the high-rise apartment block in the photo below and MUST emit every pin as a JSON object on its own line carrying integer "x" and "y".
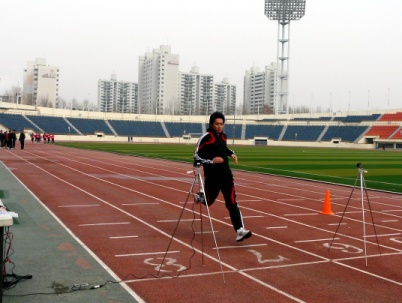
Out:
{"x": 158, "y": 82}
{"x": 259, "y": 95}
{"x": 225, "y": 97}
{"x": 163, "y": 89}
{"x": 196, "y": 92}
{"x": 40, "y": 84}
{"x": 117, "y": 96}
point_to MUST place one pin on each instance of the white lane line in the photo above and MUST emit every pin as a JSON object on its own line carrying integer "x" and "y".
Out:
{"x": 148, "y": 254}
{"x": 368, "y": 273}
{"x": 181, "y": 276}
{"x": 88, "y": 205}
{"x": 305, "y": 214}
{"x": 316, "y": 240}
{"x": 282, "y": 266}
{"x": 145, "y": 203}
{"x": 386, "y": 221}
{"x": 123, "y": 237}
{"x": 241, "y": 246}
{"x": 276, "y": 227}
{"x": 383, "y": 235}
{"x": 98, "y": 224}
{"x": 337, "y": 223}
{"x": 245, "y": 217}
{"x": 164, "y": 221}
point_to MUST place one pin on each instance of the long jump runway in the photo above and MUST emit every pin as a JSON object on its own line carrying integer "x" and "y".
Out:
{"x": 124, "y": 210}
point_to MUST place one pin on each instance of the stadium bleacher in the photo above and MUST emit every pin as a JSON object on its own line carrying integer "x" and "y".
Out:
{"x": 392, "y": 117}
{"x": 347, "y": 129}
{"x": 271, "y": 131}
{"x": 383, "y": 131}
{"x": 90, "y": 126}
{"x": 357, "y": 119}
{"x": 52, "y": 125}
{"x": 303, "y": 133}
{"x": 137, "y": 128}
{"x": 16, "y": 122}
{"x": 177, "y": 129}
{"x": 346, "y": 133}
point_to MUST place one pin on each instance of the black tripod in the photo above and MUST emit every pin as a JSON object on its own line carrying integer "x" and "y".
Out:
{"x": 363, "y": 189}
{"x": 199, "y": 198}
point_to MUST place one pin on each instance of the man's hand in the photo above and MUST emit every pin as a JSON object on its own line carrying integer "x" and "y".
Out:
{"x": 234, "y": 157}
{"x": 217, "y": 160}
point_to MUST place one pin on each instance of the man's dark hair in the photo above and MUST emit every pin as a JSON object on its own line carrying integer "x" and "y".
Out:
{"x": 214, "y": 116}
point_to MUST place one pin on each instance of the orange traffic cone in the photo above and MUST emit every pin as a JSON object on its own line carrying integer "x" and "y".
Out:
{"x": 327, "y": 205}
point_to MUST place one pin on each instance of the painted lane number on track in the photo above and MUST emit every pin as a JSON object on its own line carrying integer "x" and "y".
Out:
{"x": 168, "y": 262}
{"x": 344, "y": 248}
{"x": 261, "y": 261}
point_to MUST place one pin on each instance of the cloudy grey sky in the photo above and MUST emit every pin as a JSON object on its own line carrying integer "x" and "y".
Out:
{"x": 344, "y": 53}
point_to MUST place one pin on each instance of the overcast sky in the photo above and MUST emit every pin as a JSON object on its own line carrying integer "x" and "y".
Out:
{"x": 344, "y": 53}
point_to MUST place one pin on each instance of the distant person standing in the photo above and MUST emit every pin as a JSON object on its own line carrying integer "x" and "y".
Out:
{"x": 22, "y": 139}
{"x": 13, "y": 139}
{"x": 2, "y": 138}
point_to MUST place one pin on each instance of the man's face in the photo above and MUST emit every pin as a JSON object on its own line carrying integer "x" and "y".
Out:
{"x": 218, "y": 125}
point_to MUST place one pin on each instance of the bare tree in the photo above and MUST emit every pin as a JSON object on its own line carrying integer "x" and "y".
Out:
{"x": 62, "y": 103}
{"x": 85, "y": 104}
{"x": 44, "y": 102}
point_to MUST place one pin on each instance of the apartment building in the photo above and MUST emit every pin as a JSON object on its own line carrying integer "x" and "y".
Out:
{"x": 40, "y": 84}
{"x": 158, "y": 78}
{"x": 117, "y": 96}
{"x": 259, "y": 94}
{"x": 196, "y": 92}
{"x": 225, "y": 97}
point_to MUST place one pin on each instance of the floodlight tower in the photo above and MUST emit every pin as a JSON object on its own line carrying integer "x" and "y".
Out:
{"x": 284, "y": 11}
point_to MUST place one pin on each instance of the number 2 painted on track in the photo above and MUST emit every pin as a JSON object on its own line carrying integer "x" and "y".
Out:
{"x": 261, "y": 261}
{"x": 169, "y": 261}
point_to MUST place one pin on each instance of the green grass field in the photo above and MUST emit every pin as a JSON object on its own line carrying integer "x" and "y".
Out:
{"x": 384, "y": 168}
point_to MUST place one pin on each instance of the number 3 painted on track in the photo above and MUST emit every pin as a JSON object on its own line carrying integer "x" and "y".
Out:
{"x": 344, "y": 248}
{"x": 169, "y": 261}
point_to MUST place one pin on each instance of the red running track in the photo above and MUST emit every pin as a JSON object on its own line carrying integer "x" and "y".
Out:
{"x": 125, "y": 209}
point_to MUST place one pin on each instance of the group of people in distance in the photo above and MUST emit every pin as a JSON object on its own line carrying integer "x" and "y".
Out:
{"x": 9, "y": 138}
{"x": 37, "y": 137}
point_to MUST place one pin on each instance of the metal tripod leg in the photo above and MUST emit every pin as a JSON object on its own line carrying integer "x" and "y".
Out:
{"x": 362, "y": 189}
{"x": 197, "y": 180}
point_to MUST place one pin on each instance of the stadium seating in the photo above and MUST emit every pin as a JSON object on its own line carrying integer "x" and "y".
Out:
{"x": 346, "y": 133}
{"x": 271, "y": 131}
{"x": 52, "y": 125}
{"x": 382, "y": 131}
{"x": 392, "y": 117}
{"x": 357, "y": 119}
{"x": 302, "y": 133}
{"x": 177, "y": 129}
{"x": 233, "y": 131}
{"x": 397, "y": 134}
{"x": 16, "y": 122}
{"x": 90, "y": 126}
{"x": 137, "y": 128}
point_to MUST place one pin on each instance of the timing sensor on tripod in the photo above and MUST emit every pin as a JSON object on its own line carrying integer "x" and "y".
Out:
{"x": 196, "y": 166}
{"x": 360, "y": 168}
